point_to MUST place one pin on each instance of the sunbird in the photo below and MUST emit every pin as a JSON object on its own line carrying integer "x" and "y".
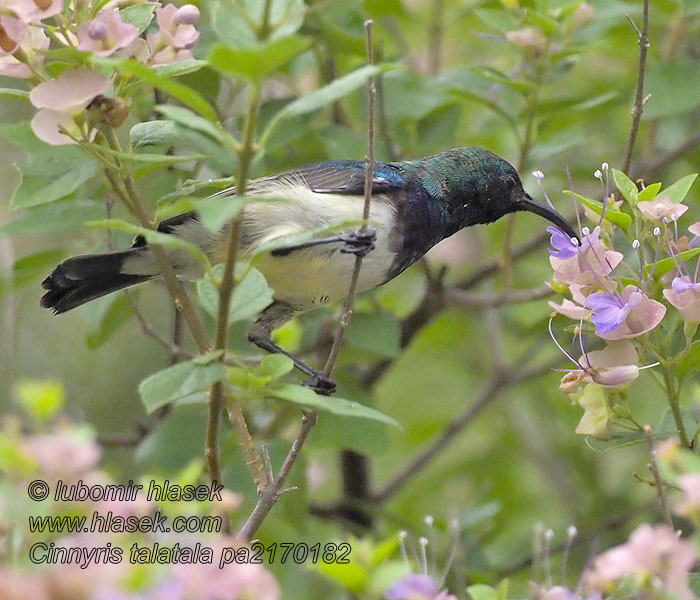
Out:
{"x": 414, "y": 205}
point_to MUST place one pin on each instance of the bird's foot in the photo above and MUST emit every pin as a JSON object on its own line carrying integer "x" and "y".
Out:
{"x": 319, "y": 383}
{"x": 359, "y": 242}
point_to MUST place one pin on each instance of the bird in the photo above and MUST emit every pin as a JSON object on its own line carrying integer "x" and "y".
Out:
{"x": 414, "y": 205}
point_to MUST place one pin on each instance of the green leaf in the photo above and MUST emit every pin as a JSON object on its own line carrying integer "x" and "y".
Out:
{"x": 250, "y": 296}
{"x": 50, "y": 172}
{"x": 161, "y": 80}
{"x": 612, "y": 215}
{"x": 648, "y": 192}
{"x": 326, "y": 95}
{"x": 103, "y": 316}
{"x": 491, "y": 74}
{"x": 178, "y": 381}
{"x": 154, "y": 133}
{"x": 362, "y": 334}
{"x": 215, "y": 211}
{"x": 626, "y": 186}
{"x": 41, "y": 400}
{"x": 30, "y": 267}
{"x": 183, "y": 67}
{"x": 275, "y": 366}
{"x": 669, "y": 86}
{"x": 595, "y": 417}
{"x": 298, "y": 394}
{"x": 138, "y": 15}
{"x": 677, "y": 191}
{"x": 481, "y": 591}
{"x": 256, "y": 62}
{"x": 153, "y": 237}
{"x": 664, "y": 265}
{"x": 688, "y": 364}
{"x": 14, "y": 94}
{"x": 618, "y": 440}
{"x": 66, "y": 216}
{"x": 190, "y": 120}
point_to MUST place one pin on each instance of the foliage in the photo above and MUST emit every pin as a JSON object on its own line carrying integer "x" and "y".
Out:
{"x": 118, "y": 115}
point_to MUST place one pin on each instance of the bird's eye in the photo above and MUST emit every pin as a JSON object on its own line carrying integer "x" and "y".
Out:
{"x": 509, "y": 180}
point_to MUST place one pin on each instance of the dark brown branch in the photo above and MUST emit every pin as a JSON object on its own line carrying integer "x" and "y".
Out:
{"x": 658, "y": 481}
{"x": 483, "y": 399}
{"x": 639, "y": 100}
{"x": 492, "y": 299}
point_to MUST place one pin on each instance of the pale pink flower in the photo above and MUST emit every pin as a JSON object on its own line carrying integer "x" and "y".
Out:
{"x": 61, "y": 99}
{"x": 685, "y": 297}
{"x": 695, "y": 228}
{"x": 233, "y": 581}
{"x": 661, "y": 208}
{"x": 66, "y": 454}
{"x": 34, "y": 39}
{"x": 614, "y": 366}
{"x": 34, "y": 11}
{"x": 643, "y": 315}
{"x": 12, "y": 32}
{"x": 106, "y": 33}
{"x": 653, "y": 554}
{"x": 574, "y": 308}
{"x": 176, "y": 35}
{"x": 689, "y": 504}
{"x": 591, "y": 264}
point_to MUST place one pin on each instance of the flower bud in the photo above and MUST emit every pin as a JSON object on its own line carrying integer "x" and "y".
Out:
{"x": 583, "y": 14}
{"x": 42, "y": 4}
{"x": 97, "y": 31}
{"x": 615, "y": 376}
{"x": 187, "y": 15}
{"x": 527, "y": 38}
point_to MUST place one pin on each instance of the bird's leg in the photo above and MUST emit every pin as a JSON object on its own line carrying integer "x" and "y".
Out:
{"x": 259, "y": 333}
{"x": 358, "y": 243}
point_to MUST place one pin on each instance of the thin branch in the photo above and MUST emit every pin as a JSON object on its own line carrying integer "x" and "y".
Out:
{"x": 226, "y": 287}
{"x": 273, "y": 491}
{"x": 639, "y": 100}
{"x": 483, "y": 399}
{"x": 654, "y": 165}
{"x": 246, "y": 444}
{"x": 369, "y": 174}
{"x": 491, "y": 299}
{"x": 658, "y": 481}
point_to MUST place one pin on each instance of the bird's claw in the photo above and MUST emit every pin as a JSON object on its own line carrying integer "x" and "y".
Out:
{"x": 359, "y": 242}
{"x": 319, "y": 383}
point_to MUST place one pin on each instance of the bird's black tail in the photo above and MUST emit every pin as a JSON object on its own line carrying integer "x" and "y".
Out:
{"x": 83, "y": 278}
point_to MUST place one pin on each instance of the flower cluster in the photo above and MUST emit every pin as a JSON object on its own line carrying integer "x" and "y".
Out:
{"x": 620, "y": 301}
{"x": 28, "y": 28}
{"x": 70, "y": 453}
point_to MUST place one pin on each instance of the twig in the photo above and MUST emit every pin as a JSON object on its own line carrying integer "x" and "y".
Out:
{"x": 273, "y": 491}
{"x": 491, "y": 299}
{"x": 226, "y": 287}
{"x": 650, "y": 167}
{"x": 369, "y": 174}
{"x": 485, "y": 397}
{"x": 435, "y": 37}
{"x": 654, "y": 466}
{"x": 638, "y": 107}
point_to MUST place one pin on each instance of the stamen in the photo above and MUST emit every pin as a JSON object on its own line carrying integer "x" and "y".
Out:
{"x": 697, "y": 265}
{"x": 604, "y": 166}
{"x": 402, "y": 547}
{"x": 673, "y": 256}
{"x": 674, "y": 216}
{"x": 657, "y": 233}
{"x": 573, "y": 198}
{"x": 564, "y": 352}
{"x": 598, "y": 174}
{"x": 571, "y": 533}
{"x": 539, "y": 175}
{"x": 548, "y": 537}
{"x": 580, "y": 340}
{"x": 454, "y": 527}
{"x": 574, "y": 241}
{"x": 428, "y": 520}
{"x": 656, "y": 364}
{"x": 636, "y": 246}
{"x": 607, "y": 193}
{"x": 586, "y": 231}
{"x": 423, "y": 542}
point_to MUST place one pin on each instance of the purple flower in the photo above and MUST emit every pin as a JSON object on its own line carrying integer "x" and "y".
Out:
{"x": 106, "y": 33}
{"x": 608, "y": 311}
{"x": 417, "y": 587}
{"x": 627, "y": 315}
{"x": 564, "y": 247}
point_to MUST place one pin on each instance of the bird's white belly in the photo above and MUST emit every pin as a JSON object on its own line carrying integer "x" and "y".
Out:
{"x": 320, "y": 274}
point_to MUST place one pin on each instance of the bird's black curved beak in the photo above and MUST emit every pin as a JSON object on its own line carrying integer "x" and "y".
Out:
{"x": 529, "y": 205}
